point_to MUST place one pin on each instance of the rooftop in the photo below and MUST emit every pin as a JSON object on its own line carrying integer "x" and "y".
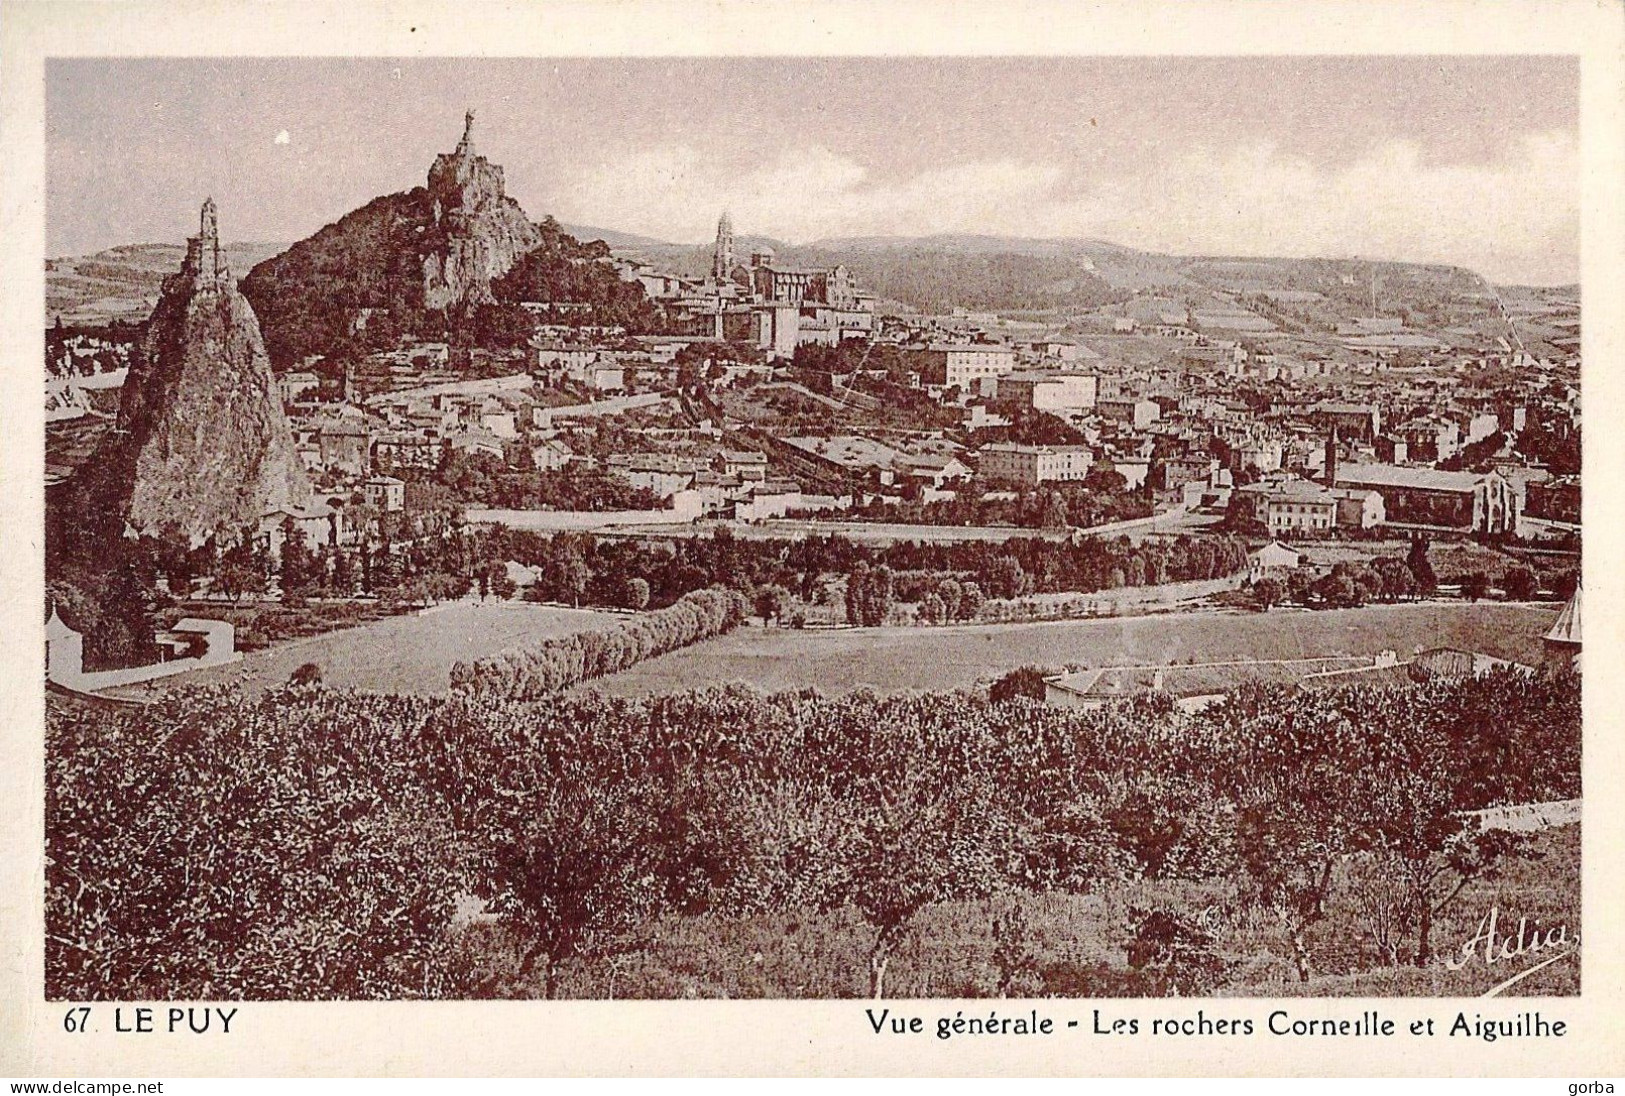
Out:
{"x": 1567, "y": 628}
{"x": 974, "y": 348}
{"x": 1393, "y": 475}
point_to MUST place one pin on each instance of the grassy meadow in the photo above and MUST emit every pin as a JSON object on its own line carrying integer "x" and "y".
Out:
{"x": 412, "y": 653}
{"x": 897, "y": 659}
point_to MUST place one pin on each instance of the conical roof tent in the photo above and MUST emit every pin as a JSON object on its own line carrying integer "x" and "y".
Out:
{"x": 1567, "y": 628}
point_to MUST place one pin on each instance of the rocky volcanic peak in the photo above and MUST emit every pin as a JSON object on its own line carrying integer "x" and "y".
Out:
{"x": 418, "y": 256}
{"x": 202, "y": 442}
{"x": 484, "y": 230}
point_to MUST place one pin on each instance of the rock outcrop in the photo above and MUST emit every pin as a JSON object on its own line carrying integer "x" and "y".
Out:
{"x": 201, "y": 443}
{"x": 483, "y": 230}
{"x": 419, "y": 256}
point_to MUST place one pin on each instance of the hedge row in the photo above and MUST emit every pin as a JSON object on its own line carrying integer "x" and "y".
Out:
{"x": 535, "y": 670}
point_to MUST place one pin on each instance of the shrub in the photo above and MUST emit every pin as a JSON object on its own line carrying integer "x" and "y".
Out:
{"x": 1027, "y": 681}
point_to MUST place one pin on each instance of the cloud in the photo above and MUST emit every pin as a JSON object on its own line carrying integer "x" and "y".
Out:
{"x": 1516, "y": 218}
{"x": 281, "y": 138}
{"x": 1513, "y": 219}
{"x": 799, "y": 195}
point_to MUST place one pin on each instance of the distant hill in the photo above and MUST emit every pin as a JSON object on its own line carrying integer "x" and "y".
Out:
{"x": 617, "y": 240}
{"x": 123, "y": 283}
{"x": 967, "y": 243}
{"x": 985, "y": 273}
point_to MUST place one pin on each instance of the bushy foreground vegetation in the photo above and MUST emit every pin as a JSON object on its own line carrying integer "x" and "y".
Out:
{"x": 320, "y": 844}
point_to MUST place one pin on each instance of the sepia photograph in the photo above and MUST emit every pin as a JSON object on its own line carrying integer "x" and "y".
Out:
{"x": 605, "y": 528}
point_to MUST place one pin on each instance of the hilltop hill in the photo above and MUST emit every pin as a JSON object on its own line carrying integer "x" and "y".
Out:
{"x": 434, "y": 261}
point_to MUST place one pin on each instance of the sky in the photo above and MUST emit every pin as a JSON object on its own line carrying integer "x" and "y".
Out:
{"x": 1465, "y": 160}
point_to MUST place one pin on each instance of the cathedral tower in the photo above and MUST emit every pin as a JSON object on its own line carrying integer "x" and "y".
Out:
{"x": 722, "y": 258}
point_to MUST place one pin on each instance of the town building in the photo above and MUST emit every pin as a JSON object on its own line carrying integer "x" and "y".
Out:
{"x": 1137, "y": 413}
{"x": 1358, "y": 508}
{"x": 1480, "y": 502}
{"x": 1273, "y": 558}
{"x": 386, "y": 493}
{"x": 1554, "y": 500}
{"x": 344, "y": 446}
{"x": 747, "y": 465}
{"x": 1030, "y": 465}
{"x": 1354, "y": 421}
{"x": 965, "y": 366}
{"x": 1047, "y": 390}
{"x": 1287, "y": 506}
{"x": 551, "y": 455}
{"x": 1173, "y": 473}
{"x": 657, "y": 472}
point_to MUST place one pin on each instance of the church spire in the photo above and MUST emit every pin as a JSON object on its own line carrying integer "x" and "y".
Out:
{"x": 722, "y": 258}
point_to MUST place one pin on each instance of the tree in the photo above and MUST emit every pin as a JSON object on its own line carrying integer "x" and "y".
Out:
{"x": 299, "y": 566}
{"x": 1105, "y": 477}
{"x": 239, "y": 579}
{"x": 636, "y": 594}
{"x": 1025, "y": 681}
{"x": 970, "y": 601}
{"x": 772, "y": 601}
{"x": 561, "y": 842}
{"x": 1287, "y": 860}
{"x": 1475, "y": 586}
{"x": 1395, "y": 578}
{"x": 1409, "y": 798}
{"x": 869, "y": 595}
{"x": 494, "y": 580}
{"x": 1519, "y": 582}
{"x": 578, "y": 874}
{"x": 307, "y": 673}
{"x": 1006, "y": 578}
{"x": 1176, "y": 949}
{"x": 932, "y": 610}
{"x": 1287, "y": 768}
{"x": 1421, "y": 567}
{"x": 1268, "y": 591}
{"x": 570, "y": 574}
{"x": 1337, "y": 588}
{"x": 1055, "y": 511}
{"x": 345, "y": 576}
{"x": 296, "y": 865}
{"x": 915, "y": 840}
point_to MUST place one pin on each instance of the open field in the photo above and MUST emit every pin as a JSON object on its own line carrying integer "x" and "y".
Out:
{"x": 894, "y": 659}
{"x": 404, "y": 654}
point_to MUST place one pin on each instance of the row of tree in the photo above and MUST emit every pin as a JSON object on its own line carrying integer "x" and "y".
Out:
{"x": 534, "y": 670}
{"x": 1099, "y": 499}
{"x": 317, "y": 844}
{"x": 1390, "y": 579}
{"x": 582, "y": 569}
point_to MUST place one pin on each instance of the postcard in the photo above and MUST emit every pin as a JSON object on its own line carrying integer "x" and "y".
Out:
{"x": 725, "y": 539}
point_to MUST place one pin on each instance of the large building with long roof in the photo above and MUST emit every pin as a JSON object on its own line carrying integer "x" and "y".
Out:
{"x": 1481, "y": 502}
